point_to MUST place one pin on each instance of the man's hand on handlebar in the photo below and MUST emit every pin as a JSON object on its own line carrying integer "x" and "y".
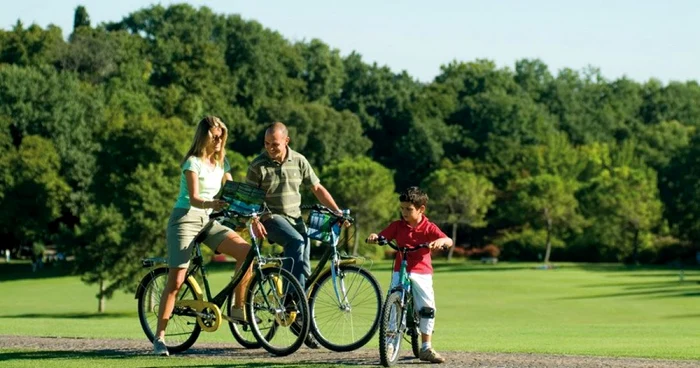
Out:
{"x": 259, "y": 228}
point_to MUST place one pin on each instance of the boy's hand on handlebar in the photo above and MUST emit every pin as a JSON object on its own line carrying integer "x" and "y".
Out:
{"x": 440, "y": 243}
{"x": 372, "y": 238}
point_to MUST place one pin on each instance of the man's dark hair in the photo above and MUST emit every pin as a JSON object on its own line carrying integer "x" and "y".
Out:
{"x": 414, "y": 195}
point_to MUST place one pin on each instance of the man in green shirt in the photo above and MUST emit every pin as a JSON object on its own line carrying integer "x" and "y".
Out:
{"x": 280, "y": 172}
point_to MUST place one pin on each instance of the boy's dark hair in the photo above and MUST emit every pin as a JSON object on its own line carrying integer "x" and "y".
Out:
{"x": 414, "y": 195}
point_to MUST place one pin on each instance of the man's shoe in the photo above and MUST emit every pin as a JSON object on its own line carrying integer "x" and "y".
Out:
{"x": 311, "y": 342}
{"x": 159, "y": 347}
{"x": 430, "y": 355}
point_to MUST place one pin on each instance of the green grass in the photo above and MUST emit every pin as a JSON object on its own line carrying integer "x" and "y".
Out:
{"x": 603, "y": 310}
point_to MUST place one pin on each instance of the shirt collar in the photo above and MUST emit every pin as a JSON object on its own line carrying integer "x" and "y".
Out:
{"x": 289, "y": 156}
{"x": 420, "y": 224}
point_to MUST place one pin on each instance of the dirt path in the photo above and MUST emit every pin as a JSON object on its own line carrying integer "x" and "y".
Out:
{"x": 362, "y": 357}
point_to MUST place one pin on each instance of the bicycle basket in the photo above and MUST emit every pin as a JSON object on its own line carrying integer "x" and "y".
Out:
{"x": 321, "y": 226}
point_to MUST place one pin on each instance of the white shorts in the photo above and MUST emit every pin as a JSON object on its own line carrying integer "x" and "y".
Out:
{"x": 423, "y": 296}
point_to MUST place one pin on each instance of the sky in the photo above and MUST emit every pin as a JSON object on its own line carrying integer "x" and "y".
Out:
{"x": 639, "y": 39}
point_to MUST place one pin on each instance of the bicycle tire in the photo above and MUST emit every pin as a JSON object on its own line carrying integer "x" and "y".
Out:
{"x": 182, "y": 330}
{"x": 345, "y": 329}
{"x": 288, "y": 308}
{"x": 390, "y": 330}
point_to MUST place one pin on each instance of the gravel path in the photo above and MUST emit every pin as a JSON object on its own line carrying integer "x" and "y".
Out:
{"x": 362, "y": 357}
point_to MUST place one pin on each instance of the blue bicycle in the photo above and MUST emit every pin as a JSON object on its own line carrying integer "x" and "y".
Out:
{"x": 399, "y": 318}
{"x": 345, "y": 299}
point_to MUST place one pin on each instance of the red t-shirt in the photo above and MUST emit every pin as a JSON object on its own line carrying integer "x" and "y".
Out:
{"x": 408, "y": 236}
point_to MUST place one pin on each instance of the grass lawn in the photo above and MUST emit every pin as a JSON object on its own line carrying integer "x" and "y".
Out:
{"x": 604, "y": 310}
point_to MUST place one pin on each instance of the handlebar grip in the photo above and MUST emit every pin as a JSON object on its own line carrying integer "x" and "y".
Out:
{"x": 217, "y": 214}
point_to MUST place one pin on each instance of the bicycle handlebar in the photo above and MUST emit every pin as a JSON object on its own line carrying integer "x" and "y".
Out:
{"x": 230, "y": 213}
{"x": 323, "y": 209}
{"x": 382, "y": 241}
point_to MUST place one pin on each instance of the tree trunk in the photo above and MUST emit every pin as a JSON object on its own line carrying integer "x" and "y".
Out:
{"x": 549, "y": 241}
{"x": 454, "y": 241}
{"x": 635, "y": 247}
{"x": 101, "y": 298}
{"x": 356, "y": 241}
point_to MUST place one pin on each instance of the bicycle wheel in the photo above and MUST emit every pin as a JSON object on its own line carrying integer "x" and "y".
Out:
{"x": 390, "y": 330}
{"x": 277, "y": 301}
{"x": 182, "y": 330}
{"x": 348, "y": 320}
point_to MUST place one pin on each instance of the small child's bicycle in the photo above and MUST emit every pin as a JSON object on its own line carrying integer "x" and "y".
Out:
{"x": 399, "y": 319}
{"x": 275, "y": 300}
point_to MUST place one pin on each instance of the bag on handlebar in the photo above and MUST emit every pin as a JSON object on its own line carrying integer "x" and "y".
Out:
{"x": 321, "y": 226}
{"x": 242, "y": 198}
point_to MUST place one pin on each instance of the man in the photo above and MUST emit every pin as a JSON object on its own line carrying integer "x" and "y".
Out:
{"x": 280, "y": 172}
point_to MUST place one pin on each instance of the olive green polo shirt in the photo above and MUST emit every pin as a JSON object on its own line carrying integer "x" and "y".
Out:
{"x": 282, "y": 181}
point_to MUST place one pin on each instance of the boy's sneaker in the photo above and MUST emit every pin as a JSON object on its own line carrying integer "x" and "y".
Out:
{"x": 159, "y": 347}
{"x": 430, "y": 355}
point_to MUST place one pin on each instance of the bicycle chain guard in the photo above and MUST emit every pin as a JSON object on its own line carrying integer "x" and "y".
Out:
{"x": 208, "y": 314}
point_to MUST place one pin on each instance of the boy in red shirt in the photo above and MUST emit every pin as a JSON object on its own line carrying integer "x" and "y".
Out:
{"x": 413, "y": 229}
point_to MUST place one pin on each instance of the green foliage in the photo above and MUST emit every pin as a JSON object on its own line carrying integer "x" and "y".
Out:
{"x": 80, "y": 18}
{"x": 367, "y": 189}
{"x": 33, "y": 191}
{"x": 458, "y": 197}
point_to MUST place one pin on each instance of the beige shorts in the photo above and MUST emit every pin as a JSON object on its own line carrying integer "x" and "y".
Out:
{"x": 183, "y": 226}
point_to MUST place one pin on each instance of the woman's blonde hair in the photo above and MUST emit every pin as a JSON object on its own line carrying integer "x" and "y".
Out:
{"x": 202, "y": 136}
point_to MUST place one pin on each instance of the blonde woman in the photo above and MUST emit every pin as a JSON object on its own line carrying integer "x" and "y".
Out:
{"x": 204, "y": 170}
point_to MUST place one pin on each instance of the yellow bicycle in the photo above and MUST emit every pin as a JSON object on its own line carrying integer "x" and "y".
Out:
{"x": 275, "y": 300}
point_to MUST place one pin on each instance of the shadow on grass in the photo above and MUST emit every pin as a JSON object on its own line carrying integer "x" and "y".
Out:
{"x": 239, "y": 357}
{"x": 70, "y": 315}
{"x": 643, "y": 285}
{"x": 23, "y": 271}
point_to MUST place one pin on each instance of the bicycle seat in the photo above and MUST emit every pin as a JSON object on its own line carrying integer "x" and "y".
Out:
{"x": 203, "y": 233}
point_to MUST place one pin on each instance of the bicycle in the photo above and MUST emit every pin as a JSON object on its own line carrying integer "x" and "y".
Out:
{"x": 337, "y": 290}
{"x": 399, "y": 318}
{"x": 274, "y": 301}
{"x": 345, "y": 299}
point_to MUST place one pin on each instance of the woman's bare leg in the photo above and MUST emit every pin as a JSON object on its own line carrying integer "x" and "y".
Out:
{"x": 176, "y": 277}
{"x": 238, "y": 248}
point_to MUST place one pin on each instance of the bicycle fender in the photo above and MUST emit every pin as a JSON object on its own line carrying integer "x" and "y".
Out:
{"x": 196, "y": 288}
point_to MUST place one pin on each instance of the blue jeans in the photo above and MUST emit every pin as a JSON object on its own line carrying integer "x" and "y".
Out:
{"x": 292, "y": 237}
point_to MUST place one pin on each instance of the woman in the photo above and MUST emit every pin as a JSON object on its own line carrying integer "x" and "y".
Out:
{"x": 204, "y": 170}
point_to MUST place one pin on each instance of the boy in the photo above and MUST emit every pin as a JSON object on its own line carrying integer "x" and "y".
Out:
{"x": 413, "y": 229}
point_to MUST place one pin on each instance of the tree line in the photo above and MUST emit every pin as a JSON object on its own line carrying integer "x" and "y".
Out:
{"x": 565, "y": 165}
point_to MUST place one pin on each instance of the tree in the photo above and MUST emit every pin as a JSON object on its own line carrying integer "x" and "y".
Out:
{"x": 458, "y": 197}
{"x": 33, "y": 191}
{"x": 80, "y": 18}
{"x": 97, "y": 244}
{"x": 365, "y": 187}
{"x": 548, "y": 201}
